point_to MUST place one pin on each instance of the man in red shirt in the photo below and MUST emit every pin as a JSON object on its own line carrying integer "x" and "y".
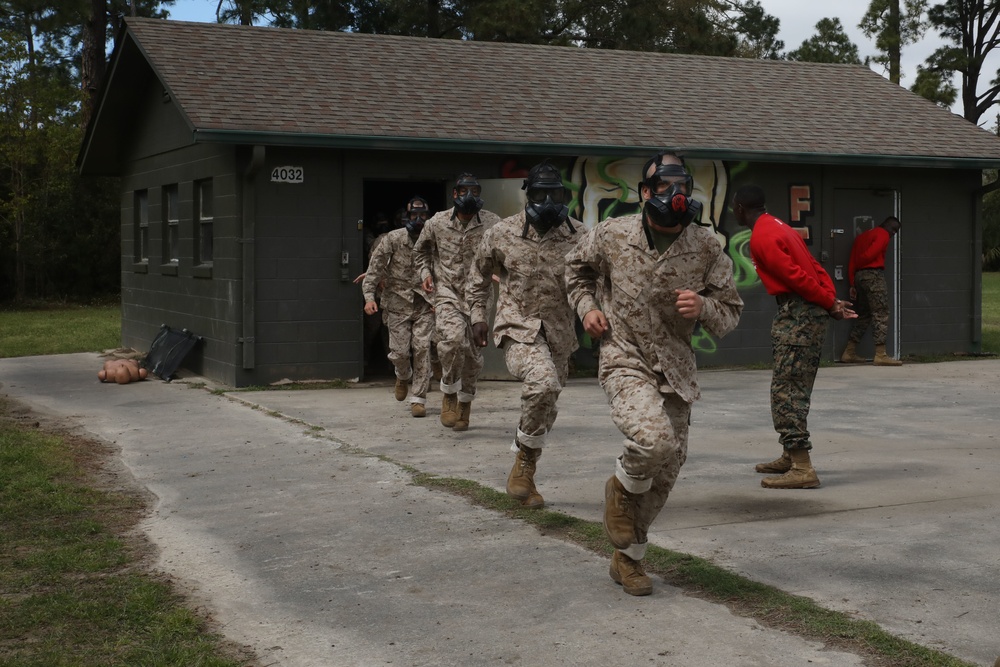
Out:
{"x": 806, "y": 300}
{"x": 866, "y": 273}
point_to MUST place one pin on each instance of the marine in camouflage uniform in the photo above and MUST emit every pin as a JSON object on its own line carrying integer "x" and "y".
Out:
{"x": 661, "y": 276}
{"x": 445, "y": 252}
{"x": 534, "y": 324}
{"x": 866, "y": 274}
{"x": 806, "y": 301}
{"x": 406, "y": 311}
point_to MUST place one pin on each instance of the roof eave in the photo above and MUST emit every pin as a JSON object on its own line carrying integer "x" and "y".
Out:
{"x": 537, "y": 148}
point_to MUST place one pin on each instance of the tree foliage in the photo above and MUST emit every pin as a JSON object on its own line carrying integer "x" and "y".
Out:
{"x": 58, "y": 233}
{"x": 830, "y": 44}
{"x": 972, "y": 30}
{"x": 935, "y": 86}
{"x": 716, "y": 27}
{"x": 893, "y": 25}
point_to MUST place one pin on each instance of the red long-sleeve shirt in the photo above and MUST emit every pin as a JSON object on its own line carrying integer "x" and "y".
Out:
{"x": 786, "y": 266}
{"x": 868, "y": 251}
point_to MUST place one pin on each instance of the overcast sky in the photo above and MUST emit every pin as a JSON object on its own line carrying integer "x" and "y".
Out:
{"x": 798, "y": 23}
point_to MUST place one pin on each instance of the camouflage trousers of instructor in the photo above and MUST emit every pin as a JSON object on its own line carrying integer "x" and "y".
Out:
{"x": 872, "y": 306}
{"x": 655, "y": 425}
{"x": 410, "y": 338}
{"x": 461, "y": 360}
{"x": 797, "y": 334}
{"x": 543, "y": 373}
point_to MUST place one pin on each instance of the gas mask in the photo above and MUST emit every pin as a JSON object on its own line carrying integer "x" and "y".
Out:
{"x": 546, "y": 206}
{"x": 467, "y": 191}
{"x": 672, "y": 205}
{"x": 416, "y": 216}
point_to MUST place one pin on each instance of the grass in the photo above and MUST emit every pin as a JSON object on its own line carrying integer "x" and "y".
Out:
{"x": 991, "y": 312}
{"x": 61, "y": 329}
{"x": 75, "y": 584}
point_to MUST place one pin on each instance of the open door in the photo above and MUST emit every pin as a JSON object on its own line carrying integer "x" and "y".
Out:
{"x": 856, "y": 211}
{"x": 388, "y": 198}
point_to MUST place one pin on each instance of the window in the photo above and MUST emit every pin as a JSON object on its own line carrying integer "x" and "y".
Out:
{"x": 140, "y": 227}
{"x": 171, "y": 225}
{"x": 204, "y": 211}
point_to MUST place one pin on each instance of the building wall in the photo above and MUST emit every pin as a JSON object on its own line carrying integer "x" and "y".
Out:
{"x": 203, "y": 298}
{"x": 938, "y": 267}
{"x": 307, "y": 320}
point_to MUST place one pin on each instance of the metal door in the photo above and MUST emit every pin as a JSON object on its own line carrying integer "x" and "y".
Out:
{"x": 856, "y": 211}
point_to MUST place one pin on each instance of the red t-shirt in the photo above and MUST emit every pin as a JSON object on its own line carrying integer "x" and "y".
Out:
{"x": 786, "y": 266}
{"x": 868, "y": 251}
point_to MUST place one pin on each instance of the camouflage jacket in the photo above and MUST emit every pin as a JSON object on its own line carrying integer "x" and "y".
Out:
{"x": 445, "y": 251}
{"x": 532, "y": 282}
{"x": 647, "y": 335}
{"x": 393, "y": 261}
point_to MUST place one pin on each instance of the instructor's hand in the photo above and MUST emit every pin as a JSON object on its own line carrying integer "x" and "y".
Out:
{"x": 428, "y": 284}
{"x": 371, "y": 308}
{"x": 595, "y": 324}
{"x": 480, "y": 331}
{"x": 841, "y": 310}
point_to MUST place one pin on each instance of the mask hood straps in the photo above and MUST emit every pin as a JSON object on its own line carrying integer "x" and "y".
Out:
{"x": 649, "y": 234}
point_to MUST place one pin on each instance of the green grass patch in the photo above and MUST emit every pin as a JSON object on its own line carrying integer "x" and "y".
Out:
{"x": 991, "y": 312}
{"x": 699, "y": 577}
{"x": 73, "y": 591}
{"x": 61, "y": 329}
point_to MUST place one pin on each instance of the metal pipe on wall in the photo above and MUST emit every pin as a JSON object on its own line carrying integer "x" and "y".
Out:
{"x": 248, "y": 324}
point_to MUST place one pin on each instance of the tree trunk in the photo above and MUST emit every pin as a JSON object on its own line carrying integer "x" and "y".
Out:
{"x": 433, "y": 18}
{"x": 895, "y": 42}
{"x": 93, "y": 65}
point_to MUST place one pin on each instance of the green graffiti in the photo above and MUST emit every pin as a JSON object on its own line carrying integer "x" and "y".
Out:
{"x": 702, "y": 341}
{"x": 744, "y": 274}
{"x": 623, "y": 189}
{"x": 575, "y": 204}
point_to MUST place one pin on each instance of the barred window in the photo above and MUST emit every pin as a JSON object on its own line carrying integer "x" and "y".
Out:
{"x": 171, "y": 225}
{"x": 204, "y": 213}
{"x": 140, "y": 227}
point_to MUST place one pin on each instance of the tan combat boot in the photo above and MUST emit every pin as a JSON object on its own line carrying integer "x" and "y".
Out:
{"x": 418, "y": 410}
{"x": 401, "y": 389}
{"x": 521, "y": 480}
{"x": 800, "y": 476}
{"x": 850, "y": 355}
{"x": 630, "y": 574}
{"x": 462, "y": 420}
{"x": 449, "y": 409}
{"x": 619, "y": 514}
{"x": 780, "y": 465}
{"x": 883, "y": 359}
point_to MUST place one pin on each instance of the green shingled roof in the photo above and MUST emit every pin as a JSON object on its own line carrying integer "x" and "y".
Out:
{"x": 275, "y": 86}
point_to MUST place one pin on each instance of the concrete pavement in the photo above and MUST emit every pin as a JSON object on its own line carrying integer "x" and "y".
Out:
{"x": 315, "y": 552}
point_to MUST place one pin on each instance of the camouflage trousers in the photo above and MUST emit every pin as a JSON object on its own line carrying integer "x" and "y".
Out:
{"x": 410, "y": 339}
{"x": 655, "y": 426}
{"x": 872, "y": 306}
{"x": 543, "y": 373}
{"x": 797, "y": 334}
{"x": 461, "y": 360}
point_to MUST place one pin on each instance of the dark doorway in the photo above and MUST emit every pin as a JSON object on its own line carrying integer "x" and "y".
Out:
{"x": 389, "y": 199}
